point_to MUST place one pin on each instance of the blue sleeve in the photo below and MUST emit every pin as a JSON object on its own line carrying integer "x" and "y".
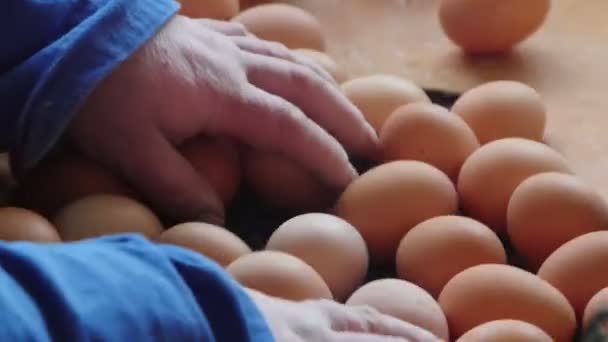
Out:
{"x": 120, "y": 288}
{"x": 52, "y": 55}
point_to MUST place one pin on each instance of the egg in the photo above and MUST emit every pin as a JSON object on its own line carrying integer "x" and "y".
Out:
{"x": 19, "y": 224}
{"x": 405, "y": 301}
{"x": 284, "y": 184}
{"x": 59, "y": 181}
{"x": 324, "y": 61}
{"x": 283, "y": 23}
{"x": 550, "y": 209}
{"x": 378, "y": 95}
{"x": 332, "y": 246}
{"x": 598, "y": 304}
{"x": 280, "y": 275}
{"x": 491, "y": 26}
{"x": 450, "y": 244}
{"x": 217, "y": 161}
{"x": 489, "y": 292}
{"x": 503, "y": 109}
{"x": 490, "y": 175}
{"x": 103, "y": 214}
{"x": 429, "y": 133}
{"x": 577, "y": 268}
{"x": 387, "y": 201}
{"x": 213, "y": 9}
{"x": 214, "y": 242}
{"x": 506, "y": 330}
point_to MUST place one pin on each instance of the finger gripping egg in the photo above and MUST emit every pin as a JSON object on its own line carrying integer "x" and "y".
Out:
{"x": 490, "y": 292}
{"x": 283, "y": 23}
{"x": 214, "y": 242}
{"x": 429, "y": 133}
{"x": 216, "y": 160}
{"x": 98, "y": 215}
{"x": 491, "y": 174}
{"x": 550, "y": 209}
{"x": 284, "y": 184}
{"x": 506, "y": 330}
{"x": 405, "y": 301}
{"x": 387, "y": 201}
{"x": 439, "y": 248}
{"x": 332, "y": 246}
{"x": 280, "y": 275}
{"x": 377, "y": 96}
{"x": 491, "y": 25}
{"x": 503, "y": 109}
{"x": 578, "y": 268}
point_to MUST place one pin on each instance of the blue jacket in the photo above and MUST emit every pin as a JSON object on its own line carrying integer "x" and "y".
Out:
{"x": 122, "y": 288}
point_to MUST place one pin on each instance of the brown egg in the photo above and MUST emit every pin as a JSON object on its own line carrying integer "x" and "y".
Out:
{"x": 324, "y": 61}
{"x": 405, "y": 301}
{"x": 503, "y": 109}
{"x": 283, "y": 23}
{"x": 280, "y": 275}
{"x": 491, "y": 25}
{"x": 598, "y": 304}
{"x": 217, "y": 161}
{"x": 98, "y": 215}
{"x": 491, "y": 174}
{"x": 389, "y": 200}
{"x": 377, "y": 96}
{"x": 450, "y": 244}
{"x": 213, "y": 9}
{"x": 550, "y": 209}
{"x": 18, "y": 224}
{"x": 429, "y": 133}
{"x": 60, "y": 181}
{"x": 506, "y": 330}
{"x": 284, "y": 184}
{"x": 489, "y": 292}
{"x": 578, "y": 267}
{"x": 330, "y": 245}
{"x": 214, "y": 242}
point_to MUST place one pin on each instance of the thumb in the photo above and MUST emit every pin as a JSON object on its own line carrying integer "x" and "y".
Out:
{"x": 366, "y": 320}
{"x": 169, "y": 182}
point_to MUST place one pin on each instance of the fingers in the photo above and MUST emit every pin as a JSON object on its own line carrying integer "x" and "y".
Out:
{"x": 362, "y": 337}
{"x": 364, "y": 319}
{"x": 225, "y": 27}
{"x": 319, "y": 99}
{"x": 169, "y": 181}
{"x": 270, "y": 123}
{"x": 272, "y": 49}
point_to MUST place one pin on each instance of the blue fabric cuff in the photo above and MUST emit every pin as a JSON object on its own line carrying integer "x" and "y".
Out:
{"x": 79, "y": 60}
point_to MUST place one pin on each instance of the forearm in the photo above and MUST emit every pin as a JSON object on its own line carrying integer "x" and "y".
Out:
{"x": 118, "y": 289}
{"x": 54, "y": 53}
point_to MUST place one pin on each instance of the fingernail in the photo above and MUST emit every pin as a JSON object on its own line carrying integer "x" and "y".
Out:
{"x": 212, "y": 218}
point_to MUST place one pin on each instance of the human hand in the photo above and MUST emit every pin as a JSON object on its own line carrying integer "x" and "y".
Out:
{"x": 327, "y": 321}
{"x": 210, "y": 77}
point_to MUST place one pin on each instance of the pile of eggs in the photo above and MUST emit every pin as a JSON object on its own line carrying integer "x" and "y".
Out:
{"x": 489, "y": 233}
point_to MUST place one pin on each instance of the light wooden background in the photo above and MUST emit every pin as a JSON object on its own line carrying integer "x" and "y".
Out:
{"x": 567, "y": 62}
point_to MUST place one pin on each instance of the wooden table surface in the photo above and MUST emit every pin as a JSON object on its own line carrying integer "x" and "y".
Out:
{"x": 565, "y": 61}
